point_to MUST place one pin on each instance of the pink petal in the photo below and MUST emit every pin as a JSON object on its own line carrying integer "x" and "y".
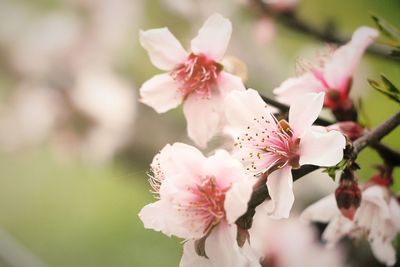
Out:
{"x": 280, "y": 188}
{"x": 213, "y": 37}
{"x": 190, "y": 257}
{"x": 321, "y": 148}
{"x": 182, "y": 164}
{"x": 228, "y": 82}
{"x": 340, "y": 69}
{"x": 242, "y": 107}
{"x": 236, "y": 199}
{"x": 323, "y": 210}
{"x": 203, "y": 116}
{"x": 159, "y": 216}
{"x": 293, "y": 88}
{"x": 222, "y": 249}
{"x": 304, "y": 111}
{"x": 161, "y": 93}
{"x": 164, "y": 49}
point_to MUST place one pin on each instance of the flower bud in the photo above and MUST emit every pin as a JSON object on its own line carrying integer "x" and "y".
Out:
{"x": 351, "y": 129}
{"x": 348, "y": 195}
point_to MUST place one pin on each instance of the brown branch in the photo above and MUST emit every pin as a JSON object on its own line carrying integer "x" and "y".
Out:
{"x": 260, "y": 193}
{"x": 292, "y": 21}
{"x": 376, "y": 134}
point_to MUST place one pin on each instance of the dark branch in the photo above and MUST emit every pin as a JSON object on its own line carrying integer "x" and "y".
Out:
{"x": 292, "y": 21}
{"x": 376, "y": 134}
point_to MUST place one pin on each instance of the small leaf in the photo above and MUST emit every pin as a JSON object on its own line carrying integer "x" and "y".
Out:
{"x": 387, "y": 88}
{"x": 387, "y": 28}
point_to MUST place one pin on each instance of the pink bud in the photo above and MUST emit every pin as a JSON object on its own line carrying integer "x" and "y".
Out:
{"x": 351, "y": 129}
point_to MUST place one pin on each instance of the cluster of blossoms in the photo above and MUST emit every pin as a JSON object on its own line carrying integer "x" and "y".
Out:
{"x": 200, "y": 199}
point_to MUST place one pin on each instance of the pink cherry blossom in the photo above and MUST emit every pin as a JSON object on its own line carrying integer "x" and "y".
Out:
{"x": 197, "y": 197}
{"x": 281, "y": 243}
{"x": 197, "y": 78}
{"x": 377, "y": 219}
{"x": 265, "y": 144}
{"x": 334, "y": 76}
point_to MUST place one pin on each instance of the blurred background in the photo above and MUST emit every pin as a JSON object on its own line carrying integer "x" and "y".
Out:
{"x": 75, "y": 143}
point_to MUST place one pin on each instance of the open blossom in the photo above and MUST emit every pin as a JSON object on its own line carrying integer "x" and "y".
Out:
{"x": 377, "y": 219}
{"x": 265, "y": 144}
{"x": 334, "y": 76}
{"x": 197, "y": 78}
{"x": 199, "y": 197}
{"x": 282, "y": 243}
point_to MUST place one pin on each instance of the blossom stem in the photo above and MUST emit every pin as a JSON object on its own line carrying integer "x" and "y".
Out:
{"x": 292, "y": 21}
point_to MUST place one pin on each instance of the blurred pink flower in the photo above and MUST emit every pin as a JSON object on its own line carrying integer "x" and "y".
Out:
{"x": 282, "y": 243}
{"x": 195, "y": 78}
{"x": 377, "y": 218}
{"x": 198, "y": 197}
{"x": 265, "y": 144}
{"x": 334, "y": 76}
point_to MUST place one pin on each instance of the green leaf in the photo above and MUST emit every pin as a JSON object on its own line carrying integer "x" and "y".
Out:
{"x": 386, "y": 28}
{"x": 387, "y": 88}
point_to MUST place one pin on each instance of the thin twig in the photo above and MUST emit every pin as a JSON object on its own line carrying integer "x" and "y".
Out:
{"x": 376, "y": 134}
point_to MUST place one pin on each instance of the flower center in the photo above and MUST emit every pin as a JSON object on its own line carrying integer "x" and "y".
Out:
{"x": 208, "y": 202}
{"x": 284, "y": 146}
{"x": 198, "y": 74}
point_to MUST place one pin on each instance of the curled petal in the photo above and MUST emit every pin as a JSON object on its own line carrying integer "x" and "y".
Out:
{"x": 384, "y": 251}
{"x": 304, "y": 111}
{"x": 339, "y": 70}
{"x": 321, "y": 148}
{"x": 203, "y": 116}
{"x": 164, "y": 49}
{"x": 280, "y": 188}
{"x": 213, "y": 37}
{"x": 161, "y": 93}
{"x": 236, "y": 199}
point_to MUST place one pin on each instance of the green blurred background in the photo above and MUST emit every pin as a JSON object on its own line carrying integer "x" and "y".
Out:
{"x": 80, "y": 213}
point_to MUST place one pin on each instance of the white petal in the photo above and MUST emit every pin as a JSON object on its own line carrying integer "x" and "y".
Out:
{"x": 159, "y": 216}
{"x": 190, "y": 257}
{"x": 304, "y": 111}
{"x": 236, "y": 199}
{"x": 164, "y": 49}
{"x": 323, "y": 210}
{"x": 203, "y": 116}
{"x": 338, "y": 227}
{"x": 221, "y": 247}
{"x": 213, "y": 37}
{"x": 280, "y": 188}
{"x": 228, "y": 82}
{"x": 161, "y": 93}
{"x": 241, "y": 108}
{"x": 344, "y": 61}
{"x": 383, "y": 251}
{"x": 321, "y": 148}
{"x": 293, "y": 88}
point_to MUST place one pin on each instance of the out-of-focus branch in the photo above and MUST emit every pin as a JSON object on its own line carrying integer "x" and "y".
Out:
{"x": 292, "y": 21}
{"x": 260, "y": 193}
